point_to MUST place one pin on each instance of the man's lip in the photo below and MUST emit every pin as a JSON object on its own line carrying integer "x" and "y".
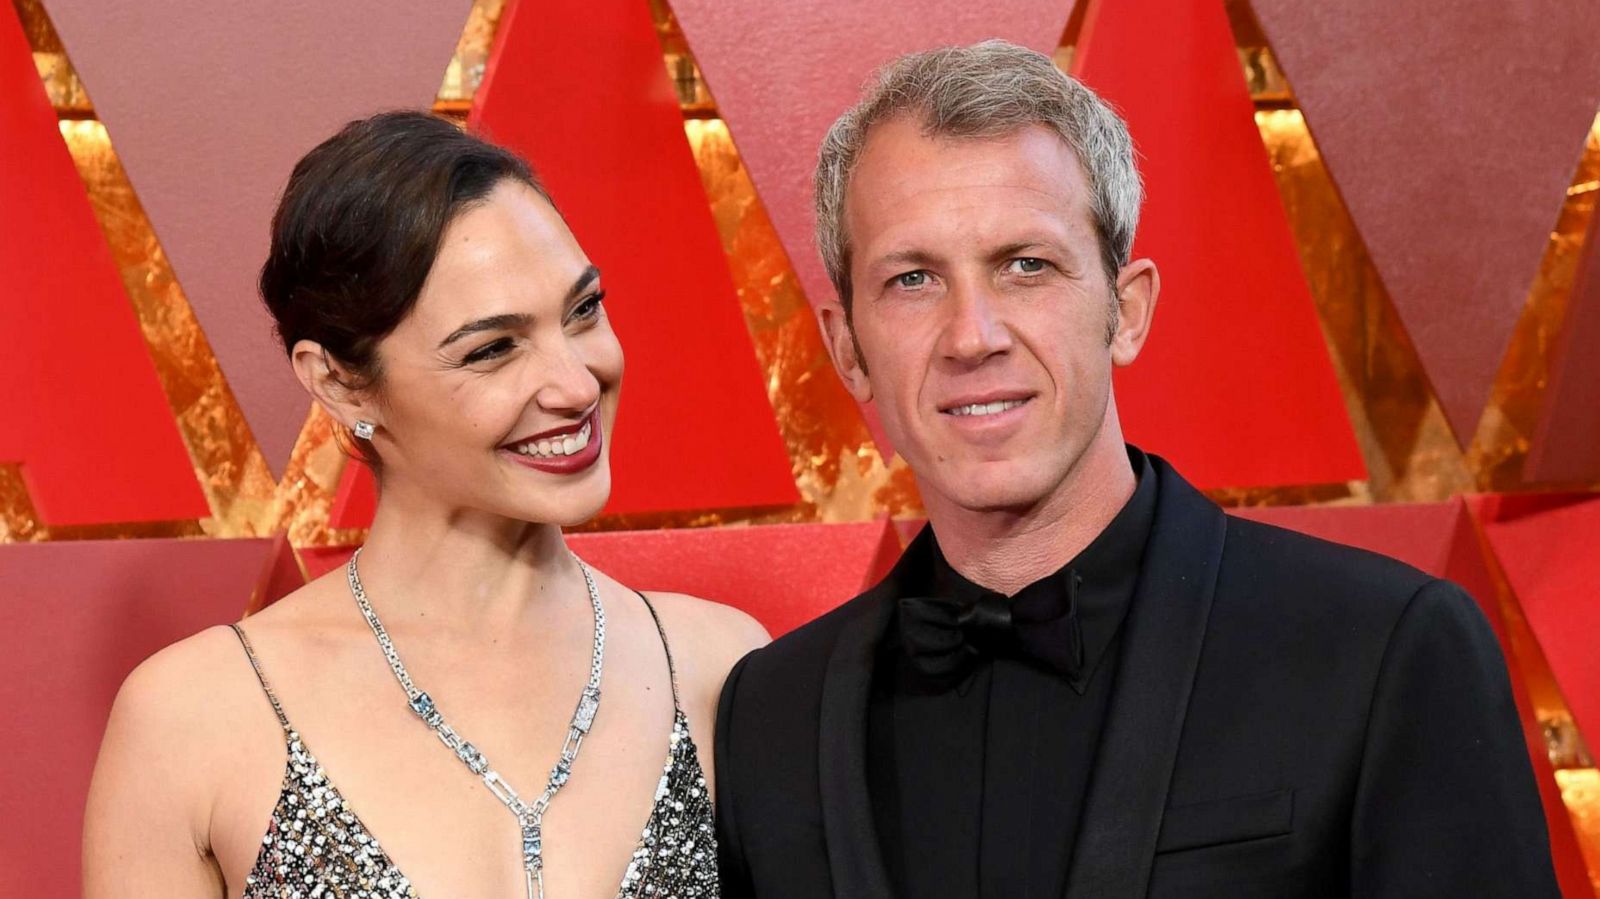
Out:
{"x": 983, "y": 399}
{"x": 563, "y": 431}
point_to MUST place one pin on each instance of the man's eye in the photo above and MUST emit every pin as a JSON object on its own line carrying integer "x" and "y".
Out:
{"x": 911, "y": 279}
{"x": 1027, "y": 265}
{"x": 489, "y": 351}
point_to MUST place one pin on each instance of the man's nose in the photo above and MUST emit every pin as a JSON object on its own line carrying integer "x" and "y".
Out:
{"x": 975, "y": 329}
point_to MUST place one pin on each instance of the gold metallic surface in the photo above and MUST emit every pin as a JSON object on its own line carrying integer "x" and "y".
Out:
{"x": 1569, "y": 755}
{"x": 836, "y": 466}
{"x": 465, "y": 71}
{"x": 19, "y": 523}
{"x": 1580, "y": 791}
{"x": 1563, "y": 742}
{"x": 1266, "y": 81}
{"x": 231, "y": 471}
{"x": 61, "y": 82}
{"x": 1504, "y": 436}
{"x": 1407, "y": 445}
{"x": 305, "y": 496}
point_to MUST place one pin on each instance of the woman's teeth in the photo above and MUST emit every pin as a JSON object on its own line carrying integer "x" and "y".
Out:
{"x": 556, "y": 446}
{"x": 994, "y": 408}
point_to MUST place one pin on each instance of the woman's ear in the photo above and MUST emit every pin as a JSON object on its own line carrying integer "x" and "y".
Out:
{"x": 332, "y": 385}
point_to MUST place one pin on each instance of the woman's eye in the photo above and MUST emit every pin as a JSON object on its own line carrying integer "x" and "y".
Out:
{"x": 911, "y": 279}
{"x": 1027, "y": 265}
{"x": 589, "y": 308}
{"x": 489, "y": 351}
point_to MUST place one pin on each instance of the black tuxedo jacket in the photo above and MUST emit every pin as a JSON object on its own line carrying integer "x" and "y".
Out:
{"x": 1289, "y": 718}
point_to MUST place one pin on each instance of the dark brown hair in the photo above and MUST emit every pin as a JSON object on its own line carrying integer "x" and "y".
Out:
{"x": 359, "y": 225}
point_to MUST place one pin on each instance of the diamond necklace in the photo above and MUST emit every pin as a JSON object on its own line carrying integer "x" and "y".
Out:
{"x": 530, "y": 815}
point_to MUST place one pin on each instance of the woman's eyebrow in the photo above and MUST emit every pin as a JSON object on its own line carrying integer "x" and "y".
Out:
{"x": 509, "y": 320}
{"x": 503, "y": 321}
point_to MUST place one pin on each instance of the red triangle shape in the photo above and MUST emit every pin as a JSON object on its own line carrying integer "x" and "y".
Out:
{"x": 1235, "y": 387}
{"x": 582, "y": 91}
{"x": 1549, "y": 559}
{"x": 83, "y": 413}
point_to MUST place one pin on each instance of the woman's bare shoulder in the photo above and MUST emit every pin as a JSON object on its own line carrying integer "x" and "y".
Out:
{"x": 186, "y": 691}
{"x": 175, "y": 726}
{"x": 202, "y": 689}
{"x": 716, "y": 635}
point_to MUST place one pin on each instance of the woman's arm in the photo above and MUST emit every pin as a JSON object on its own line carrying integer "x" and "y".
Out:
{"x": 146, "y": 827}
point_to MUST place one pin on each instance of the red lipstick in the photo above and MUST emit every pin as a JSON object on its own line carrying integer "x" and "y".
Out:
{"x": 571, "y": 463}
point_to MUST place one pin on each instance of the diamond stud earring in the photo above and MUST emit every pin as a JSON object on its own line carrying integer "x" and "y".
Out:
{"x": 364, "y": 430}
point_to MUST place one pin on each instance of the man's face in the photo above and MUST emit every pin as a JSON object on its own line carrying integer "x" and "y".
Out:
{"x": 982, "y": 311}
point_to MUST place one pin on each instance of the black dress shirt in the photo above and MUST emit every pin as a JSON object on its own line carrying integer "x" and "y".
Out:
{"x": 977, "y": 784}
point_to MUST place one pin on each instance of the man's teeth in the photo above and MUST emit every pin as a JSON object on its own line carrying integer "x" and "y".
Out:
{"x": 556, "y": 446}
{"x": 993, "y": 408}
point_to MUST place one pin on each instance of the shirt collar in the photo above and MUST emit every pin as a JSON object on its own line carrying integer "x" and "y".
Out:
{"x": 1108, "y": 566}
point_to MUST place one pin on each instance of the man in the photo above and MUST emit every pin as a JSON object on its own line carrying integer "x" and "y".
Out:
{"x": 1083, "y": 679}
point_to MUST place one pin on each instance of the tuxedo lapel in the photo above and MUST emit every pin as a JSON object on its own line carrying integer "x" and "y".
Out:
{"x": 1161, "y": 641}
{"x": 854, "y": 857}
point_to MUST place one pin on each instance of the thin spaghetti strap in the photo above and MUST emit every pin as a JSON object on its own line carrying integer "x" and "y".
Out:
{"x": 255, "y": 665}
{"x": 672, "y": 671}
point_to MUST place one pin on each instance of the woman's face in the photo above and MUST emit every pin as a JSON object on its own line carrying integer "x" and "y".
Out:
{"x": 498, "y": 392}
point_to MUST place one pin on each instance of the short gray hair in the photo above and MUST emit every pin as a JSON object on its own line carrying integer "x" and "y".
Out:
{"x": 989, "y": 89}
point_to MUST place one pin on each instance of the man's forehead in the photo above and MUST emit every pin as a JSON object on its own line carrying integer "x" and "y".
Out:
{"x": 900, "y": 157}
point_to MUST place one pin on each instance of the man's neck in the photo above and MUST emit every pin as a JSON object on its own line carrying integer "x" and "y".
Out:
{"x": 1006, "y": 550}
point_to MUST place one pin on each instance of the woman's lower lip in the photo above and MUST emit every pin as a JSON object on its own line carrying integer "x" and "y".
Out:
{"x": 570, "y": 464}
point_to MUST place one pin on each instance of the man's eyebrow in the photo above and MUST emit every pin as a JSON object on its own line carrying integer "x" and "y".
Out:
{"x": 898, "y": 258}
{"x": 1022, "y": 247}
{"x": 508, "y": 320}
{"x": 1036, "y": 246}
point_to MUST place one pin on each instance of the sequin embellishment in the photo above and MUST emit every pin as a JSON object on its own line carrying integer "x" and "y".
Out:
{"x": 677, "y": 856}
{"x": 316, "y": 848}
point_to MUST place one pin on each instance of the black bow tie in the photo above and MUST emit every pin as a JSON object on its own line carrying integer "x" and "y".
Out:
{"x": 945, "y": 637}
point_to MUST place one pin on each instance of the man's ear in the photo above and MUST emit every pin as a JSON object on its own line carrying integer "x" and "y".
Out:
{"x": 1138, "y": 286}
{"x": 332, "y": 385}
{"x": 844, "y": 350}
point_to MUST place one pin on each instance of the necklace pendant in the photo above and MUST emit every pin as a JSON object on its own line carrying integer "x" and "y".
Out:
{"x": 588, "y": 705}
{"x": 535, "y": 882}
{"x": 423, "y": 704}
{"x": 532, "y": 845}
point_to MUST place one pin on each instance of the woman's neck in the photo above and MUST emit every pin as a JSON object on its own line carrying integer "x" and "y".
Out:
{"x": 472, "y": 571}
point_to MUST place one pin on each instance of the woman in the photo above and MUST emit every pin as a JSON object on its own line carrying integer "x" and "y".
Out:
{"x": 435, "y": 304}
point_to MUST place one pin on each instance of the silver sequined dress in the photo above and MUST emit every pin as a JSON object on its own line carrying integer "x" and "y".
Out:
{"x": 316, "y": 847}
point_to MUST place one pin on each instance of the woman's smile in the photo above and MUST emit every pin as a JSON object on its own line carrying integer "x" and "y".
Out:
{"x": 566, "y": 450}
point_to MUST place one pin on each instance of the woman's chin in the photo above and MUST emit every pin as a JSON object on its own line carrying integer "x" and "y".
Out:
{"x": 576, "y": 505}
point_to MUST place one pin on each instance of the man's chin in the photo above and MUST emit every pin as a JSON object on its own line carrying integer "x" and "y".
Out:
{"x": 1009, "y": 489}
